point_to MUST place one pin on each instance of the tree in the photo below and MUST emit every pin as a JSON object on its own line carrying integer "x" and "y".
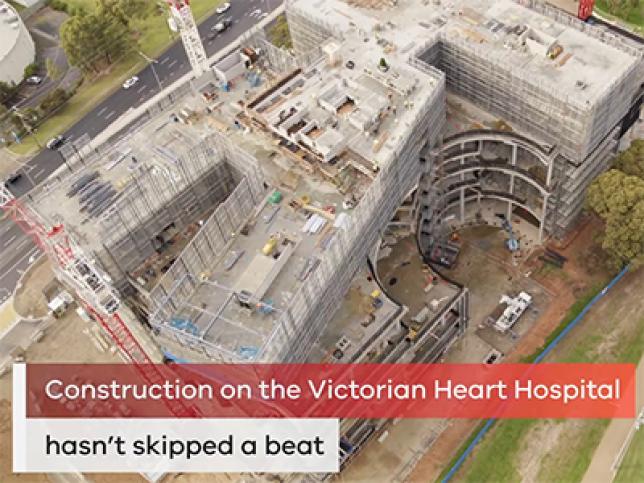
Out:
{"x": 631, "y": 161}
{"x": 617, "y": 197}
{"x": 6, "y": 91}
{"x": 135, "y": 8}
{"x": 5, "y": 125}
{"x": 53, "y": 101}
{"x": 31, "y": 69}
{"x": 124, "y": 11}
{"x": 53, "y": 70}
{"x": 95, "y": 41}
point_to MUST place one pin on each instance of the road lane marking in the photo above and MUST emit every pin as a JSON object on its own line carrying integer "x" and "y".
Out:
{"x": 39, "y": 173}
{"x": 141, "y": 89}
{"x": 9, "y": 241}
{"x": 22, "y": 243}
{"x": 10, "y": 269}
{"x": 102, "y": 111}
{"x": 109, "y": 115}
{"x": 165, "y": 59}
{"x": 171, "y": 64}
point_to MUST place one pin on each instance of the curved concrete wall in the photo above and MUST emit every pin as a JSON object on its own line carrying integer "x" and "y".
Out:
{"x": 17, "y": 49}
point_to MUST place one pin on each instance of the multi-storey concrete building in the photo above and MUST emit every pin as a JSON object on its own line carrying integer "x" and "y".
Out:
{"x": 567, "y": 89}
{"x": 245, "y": 246}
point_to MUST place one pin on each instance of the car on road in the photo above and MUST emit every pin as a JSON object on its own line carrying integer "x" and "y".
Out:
{"x": 223, "y": 8}
{"x": 55, "y": 143}
{"x": 222, "y": 26}
{"x": 130, "y": 82}
{"x": 34, "y": 80}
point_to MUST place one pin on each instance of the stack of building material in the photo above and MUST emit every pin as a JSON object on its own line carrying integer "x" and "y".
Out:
{"x": 314, "y": 224}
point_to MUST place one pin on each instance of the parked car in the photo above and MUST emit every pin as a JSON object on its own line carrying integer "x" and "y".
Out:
{"x": 222, "y": 26}
{"x": 55, "y": 143}
{"x": 130, "y": 82}
{"x": 223, "y": 8}
{"x": 34, "y": 80}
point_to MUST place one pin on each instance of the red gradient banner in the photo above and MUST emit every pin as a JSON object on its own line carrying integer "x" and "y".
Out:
{"x": 332, "y": 390}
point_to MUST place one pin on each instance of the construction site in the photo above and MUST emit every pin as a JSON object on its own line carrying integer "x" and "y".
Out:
{"x": 265, "y": 210}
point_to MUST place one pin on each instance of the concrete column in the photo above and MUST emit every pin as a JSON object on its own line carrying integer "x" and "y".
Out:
{"x": 514, "y": 155}
{"x": 544, "y": 214}
{"x": 551, "y": 165}
{"x": 511, "y": 191}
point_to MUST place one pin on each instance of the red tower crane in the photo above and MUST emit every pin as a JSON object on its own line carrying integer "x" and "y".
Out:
{"x": 92, "y": 286}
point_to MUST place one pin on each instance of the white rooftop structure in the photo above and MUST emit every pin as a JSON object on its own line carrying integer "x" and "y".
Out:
{"x": 17, "y": 49}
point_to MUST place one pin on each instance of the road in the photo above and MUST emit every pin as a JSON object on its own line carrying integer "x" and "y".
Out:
{"x": 16, "y": 250}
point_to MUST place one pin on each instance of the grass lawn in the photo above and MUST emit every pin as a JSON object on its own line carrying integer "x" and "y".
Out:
{"x": 632, "y": 468}
{"x": 635, "y": 17}
{"x": 612, "y": 332}
{"x": 19, "y": 8}
{"x": 155, "y": 38}
{"x": 87, "y": 96}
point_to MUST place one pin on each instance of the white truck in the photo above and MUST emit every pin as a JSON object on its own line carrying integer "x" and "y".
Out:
{"x": 509, "y": 311}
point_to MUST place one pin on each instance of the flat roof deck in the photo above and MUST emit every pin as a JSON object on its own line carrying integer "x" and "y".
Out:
{"x": 349, "y": 106}
{"x": 487, "y": 26}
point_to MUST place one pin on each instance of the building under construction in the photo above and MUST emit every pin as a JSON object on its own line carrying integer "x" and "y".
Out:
{"x": 242, "y": 217}
{"x": 564, "y": 90}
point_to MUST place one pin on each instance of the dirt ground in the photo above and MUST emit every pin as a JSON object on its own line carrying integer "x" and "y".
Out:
{"x": 29, "y": 300}
{"x": 64, "y": 341}
{"x": 568, "y": 285}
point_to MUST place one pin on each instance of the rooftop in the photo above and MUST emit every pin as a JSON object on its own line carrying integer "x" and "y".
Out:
{"x": 552, "y": 54}
{"x": 348, "y": 106}
{"x": 10, "y": 28}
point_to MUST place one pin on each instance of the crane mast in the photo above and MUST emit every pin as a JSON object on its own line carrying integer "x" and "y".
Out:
{"x": 182, "y": 14}
{"x": 92, "y": 286}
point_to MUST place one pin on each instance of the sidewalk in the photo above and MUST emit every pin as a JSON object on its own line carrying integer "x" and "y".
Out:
{"x": 600, "y": 468}
{"x": 7, "y": 315}
{"x": 10, "y": 162}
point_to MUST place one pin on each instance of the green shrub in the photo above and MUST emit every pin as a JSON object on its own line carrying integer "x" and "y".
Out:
{"x": 53, "y": 101}
{"x": 31, "y": 69}
{"x": 59, "y": 5}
